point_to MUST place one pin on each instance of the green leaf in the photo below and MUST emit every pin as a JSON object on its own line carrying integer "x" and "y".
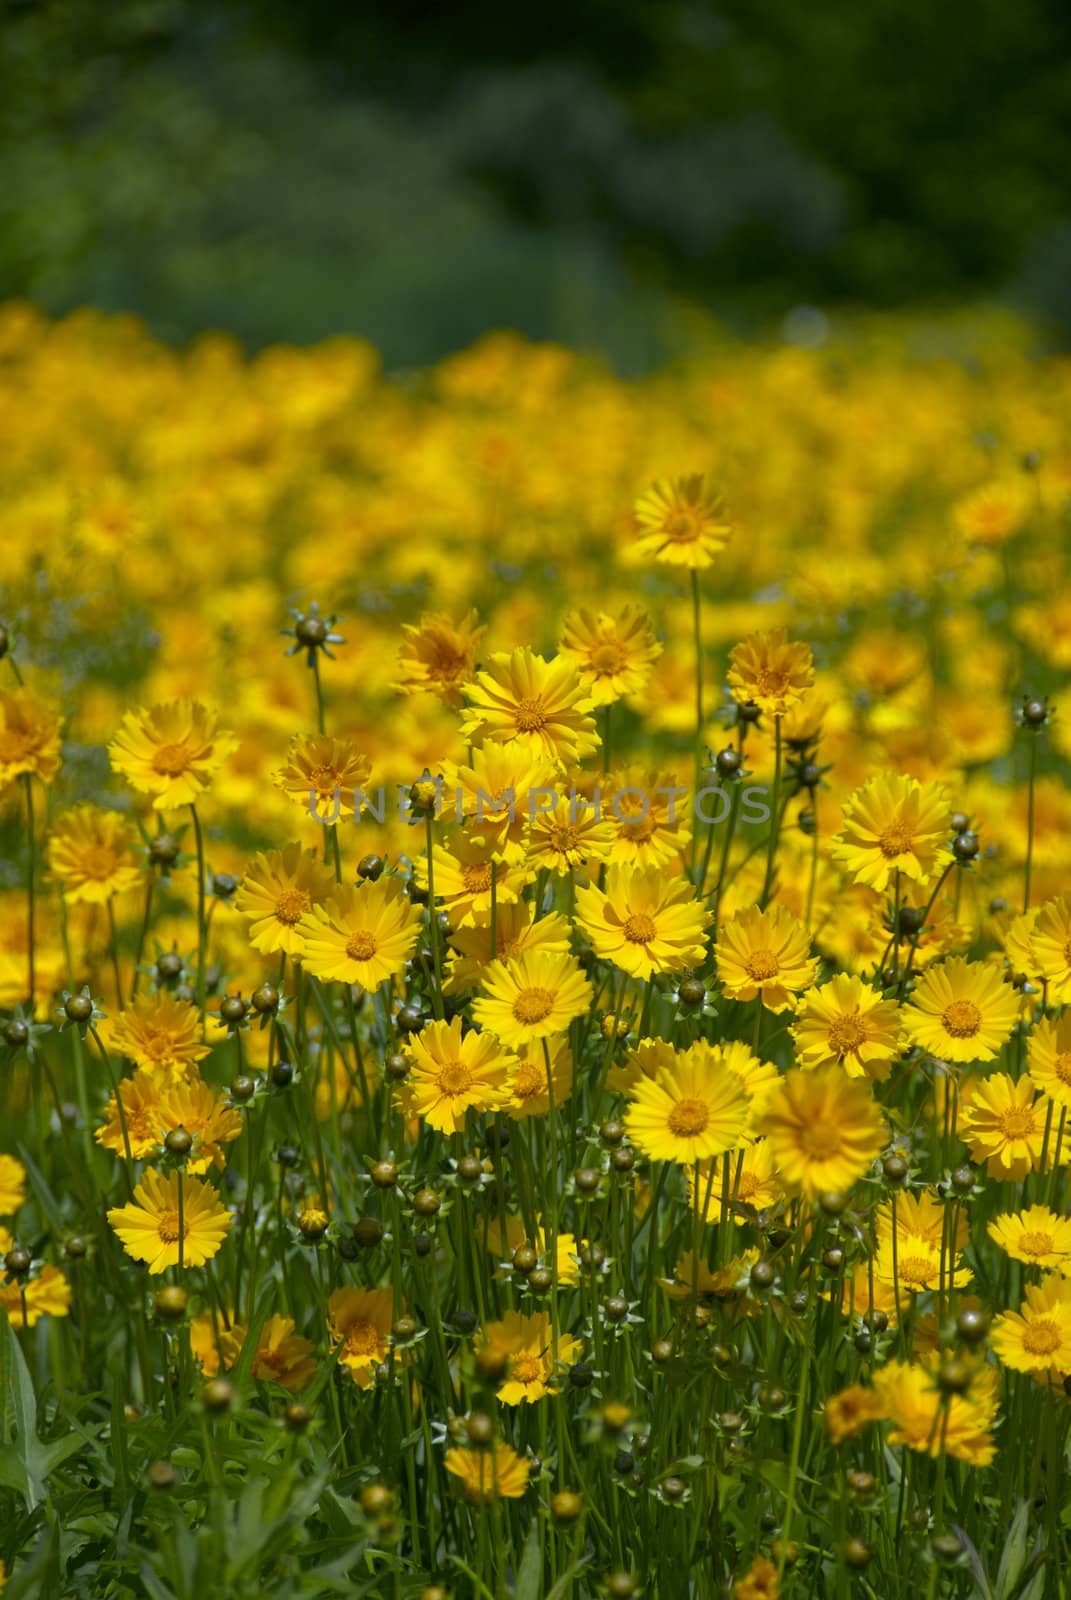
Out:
{"x": 20, "y": 1410}
{"x": 530, "y": 1573}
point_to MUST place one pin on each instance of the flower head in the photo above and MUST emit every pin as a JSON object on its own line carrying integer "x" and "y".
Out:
{"x": 824, "y": 1129}
{"x": 361, "y": 935}
{"x": 171, "y": 751}
{"x": 688, "y": 1113}
{"x": 326, "y": 776}
{"x": 487, "y": 1475}
{"x": 532, "y": 996}
{"x": 438, "y": 655}
{"x": 160, "y": 1034}
{"x": 527, "y": 1345}
{"x": 1037, "y": 1337}
{"x": 278, "y": 889}
{"x": 765, "y": 953}
{"x": 1037, "y": 1236}
{"x": 681, "y": 521}
{"x": 612, "y": 655}
{"x": 539, "y": 704}
{"x": 961, "y": 1010}
{"x": 91, "y": 853}
{"x": 891, "y": 825}
{"x": 644, "y": 921}
{"x": 1002, "y": 1122}
{"x": 29, "y": 737}
{"x": 359, "y": 1321}
{"x": 846, "y": 1021}
{"x": 150, "y": 1225}
{"x": 454, "y": 1072}
{"x": 771, "y": 670}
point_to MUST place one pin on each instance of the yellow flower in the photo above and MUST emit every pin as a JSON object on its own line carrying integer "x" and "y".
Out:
{"x": 771, "y": 670}
{"x": 1038, "y": 1236}
{"x": 359, "y": 1321}
{"x": 824, "y": 1129}
{"x": 529, "y": 1091}
{"x": 29, "y": 737}
{"x": 196, "y": 1106}
{"x": 278, "y": 889}
{"x": 687, "y": 1113}
{"x": 649, "y": 814}
{"x": 497, "y": 793}
{"x": 539, "y": 704}
{"x": 846, "y": 1021}
{"x": 765, "y": 953}
{"x": 453, "y": 1073}
{"x": 961, "y": 1010}
{"x": 568, "y": 838}
{"x": 527, "y": 1345}
{"x": 149, "y": 1226}
{"x": 48, "y": 1294}
{"x": 282, "y": 1356}
{"x": 1003, "y": 1124}
{"x": 1049, "y": 1056}
{"x": 724, "y": 1283}
{"x": 1051, "y": 944}
{"x": 612, "y": 655}
{"x": 993, "y": 512}
{"x": 12, "y": 1185}
{"x": 158, "y": 1033}
{"x": 516, "y": 928}
{"x": 760, "y": 1582}
{"x": 91, "y": 854}
{"x": 849, "y": 1412}
{"x": 644, "y": 921}
{"x": 532, "y": 996}
{"x": 438, "y": 655}
{"x": 140, "y": 1099}
{"x": 935, "y": 1424}
{"x": 916, "y": 1264}
{"x": 487, "y": 1475}
{"x": 1037, "y": 1336}
{"x": 749, "y": 1181}
{"x": 363, "y": 934}
{"x": 682, "y": 522}
{"x": 468, "y": 875}
{"x": 171, "y": 751}
{"x": 894, "y": 824}
{"x": 325, "y": 776}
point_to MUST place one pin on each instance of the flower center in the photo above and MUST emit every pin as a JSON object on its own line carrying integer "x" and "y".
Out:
{"x": 915, "y": 1270}
{"x": 820, "y": 1140}
{"x": 528, "y": 1083}
{"x": 477, "y": 879}
{"x": 962, "y": 1019}
{"x": 760, "y": 965}
{"x": 1036, "y": 1244}
{"x": 454, "y": 1078}
{"x": 895, "y": 841}
{"x": 608, "y": 658}
{"x": 99, "y": 862}
{"x": 640, "y": 928}
{"x": 688, "y": 1118}
{"x": 846, "y": 1034}
{"x": 531, "y": 716}
{"x": 171, "y": 759}
{"x": 526, "y": 1369}
{"x": 1041, "y": 1338}
{"x": 1017, "y": 1122}
{"x": 1062, "y": 1066}
{"x": 325, "y": 779}
{"x": 361, "y": 946}
{"x": 291, "y": 906}
{"x": 563, "y": 839}
{"x": 532, "y": 1005}
{"x": 681, "y": 526}
{"x": 168, "y": 1227}
{"x": 771, "y": 682}
{"x": 362, "y": 1339}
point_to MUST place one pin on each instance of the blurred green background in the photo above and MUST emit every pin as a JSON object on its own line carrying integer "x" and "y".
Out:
{"x": 589, "y": 172}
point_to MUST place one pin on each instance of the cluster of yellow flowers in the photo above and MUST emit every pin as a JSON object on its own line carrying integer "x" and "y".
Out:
{"x": 802, "y": 1061}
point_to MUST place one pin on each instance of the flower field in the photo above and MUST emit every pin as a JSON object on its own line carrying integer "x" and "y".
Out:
{"x": 535, "y": 967}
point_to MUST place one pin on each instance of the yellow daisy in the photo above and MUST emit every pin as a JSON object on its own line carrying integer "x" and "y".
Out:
{"x": 1051, "y": 944}
{"x": 325, "y": 776}
{"x": 468, "y": 876}
{"x": 644, "y": 921}
{"x": 681, "y": 522}
{"x": 159, "y": 1033}
{"x": 278, "y": 889}
{"x": 527, "y": 1345}
{"x": 529, "y": 1090}
{"x": 748, "y": 1181}
{"x": 539, "y": 704}
{"x": 824, "y": 1129}
{"x": 488, "y": 1475}
{"x": 686, "y": 1113}
{"x": 12, "y": 1185}
{"x": 171, "y": 751}
{"x": 532, "y": 996}
{"x": 612, "y": 655}
{"x": 771, "y": 671}
{"x": 29, "y": 737}
{"x": 1049, "y": 1056}
{"x": 846, "y": 1021}
{"x": 650, "y": 815}
{"x": 765, "y": 953}
{"x": 453, "y": 1072}
{"x": 1002, "y": 1123}
{"x": 933, "y": 1423}
{"x": 150, "y": 1229}
{"x": 438, "y": 655}
{"x": 517, "y": 928}
{"x": 1038, "y": 1236}
{"x": 1037, "y": 1337}
{"x": 894, "y": 824}
{"x": 359, "y": 1322}
{"x": 569, "y": 838}
{"x": 961, "y": 1010}
{"x": 363, "y": 934}
{"x": 91, "y": 854}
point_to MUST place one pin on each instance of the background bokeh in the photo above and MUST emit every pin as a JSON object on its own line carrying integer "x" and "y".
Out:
{"x": 596, "y": 174}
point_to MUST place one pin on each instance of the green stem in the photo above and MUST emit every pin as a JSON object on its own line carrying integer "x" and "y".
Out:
{"x": 771, "y": 847}
{"x": 202, "y": 930}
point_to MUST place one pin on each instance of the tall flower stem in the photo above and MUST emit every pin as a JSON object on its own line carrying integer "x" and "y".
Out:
{"x": 433, "y": 921}
{"x": 775, "y": 817}
{"x": 320, "y": 722}
{"x": 142, "y": 936}
{"x": 1032, "y": 778}
{"x": 120, "y": 1109}
{"x": 31, "y": 904}
{"x": 697, "y": 630}
{"x": 113, "y": 946}
{"x": 202, "y": 928}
